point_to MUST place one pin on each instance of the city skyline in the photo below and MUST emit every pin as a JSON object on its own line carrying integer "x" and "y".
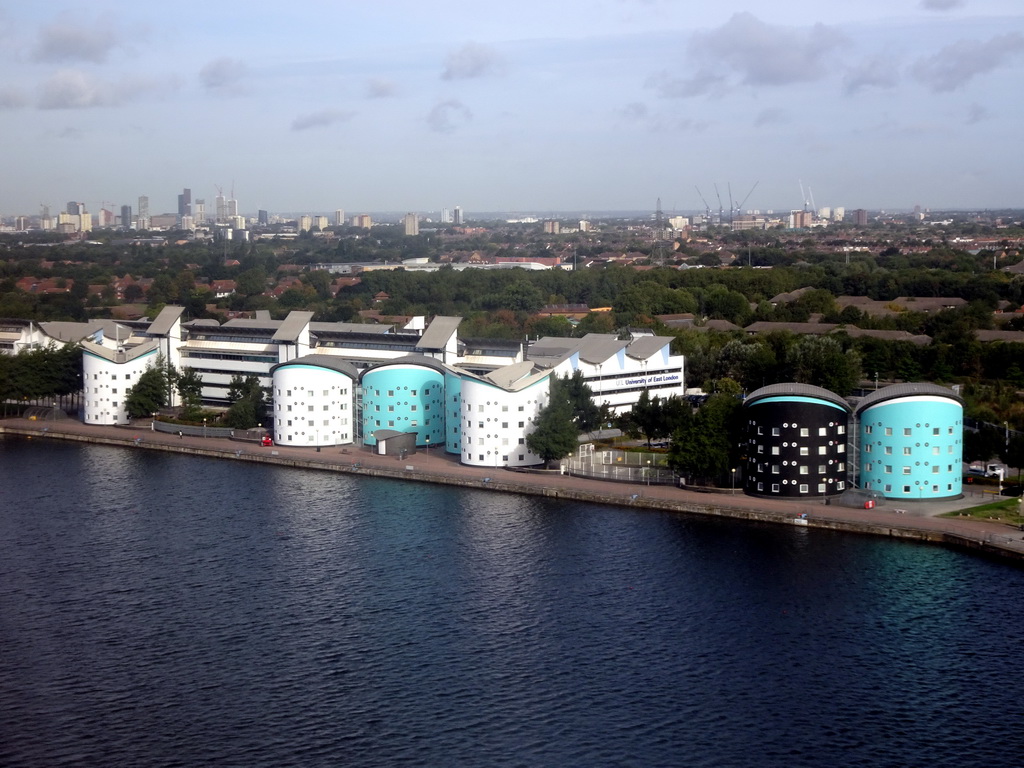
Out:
{"x": 584, "y": 106}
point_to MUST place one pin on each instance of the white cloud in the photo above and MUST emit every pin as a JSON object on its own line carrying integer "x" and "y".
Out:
{"x": 447, "y": 116}
{"x": 957, "y": 64}
{"x": 976, "y": 113}
{"x": 321, "y": 119}
{"x": 222, "y": 73}
{"x": 380, "y": 88}
{"x": 769, "y": 116}
{"x": 881, "y": 71}
{"x": 73, "y": 89}
{"x": 13, "y": 98}
{"x": 634, "y": 111}
{"x": 471, "y": 61}
{"x": 67, "y": 39}
{"x": 766, "y": 54}
{"x": 941, "y": 5}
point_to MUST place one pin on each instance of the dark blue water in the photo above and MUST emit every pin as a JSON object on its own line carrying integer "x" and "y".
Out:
{"x": 171, "y": 611}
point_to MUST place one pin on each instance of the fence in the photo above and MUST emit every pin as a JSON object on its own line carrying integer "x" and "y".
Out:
{"x": 250, "y": 435}
{"x": 620, "y": 466}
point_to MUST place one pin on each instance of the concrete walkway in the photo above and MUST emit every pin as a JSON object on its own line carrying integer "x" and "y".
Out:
{"x": 916, "y": 520}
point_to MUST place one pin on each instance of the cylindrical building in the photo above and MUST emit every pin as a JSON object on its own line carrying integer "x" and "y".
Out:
{"x": 796, "y": 438}
{"x": 405, "y": 395}
{"x": 314, "y": 401}
{"x": 910, "y": 439}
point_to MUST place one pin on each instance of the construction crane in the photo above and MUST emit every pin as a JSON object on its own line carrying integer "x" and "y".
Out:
{"x": 707, "y": 208}
{"x": 721, "y": 210}
{"x": 739, "y": 205}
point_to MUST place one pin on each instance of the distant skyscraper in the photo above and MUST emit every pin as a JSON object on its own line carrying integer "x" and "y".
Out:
{"x": 76, "y": 209}
{"x": 126, "y": 217}
{"x": 446, "y": 215}
{"x": 411, "y": 222}
{"x": 339, "y": 217}
{"x": 199, "y": 212}
{"x": 185, "y": 203}
{"x": 232, "y": 207}
{"x": 551, "y": 228}
{"x": 304, "y": 223}
{"x": 320, "y": 222}
{"x": 143, "y": 220}
{"x": 263, "y": 218}
{"x": 362, "y": 220}
{"x": 458, "y": 217}
{"x": 221, "y": 204}
{"x": 860, "y": 217}
{"x": 838, "y": 213}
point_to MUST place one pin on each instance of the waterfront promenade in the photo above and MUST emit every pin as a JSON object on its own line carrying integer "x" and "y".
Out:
{"x": 918, "y": 521}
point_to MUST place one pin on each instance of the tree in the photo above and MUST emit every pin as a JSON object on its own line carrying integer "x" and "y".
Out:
{"x": 190, "y": 389}
{"x": 149, "y": 394}
{"x": 248, "y": 402}
{"x": 586, "y": 413}
{"x": 554, "y": 436}
{"x": 645, "y": 419}
{"x": 821, "y": 361}
{"x": 705, "y": 446}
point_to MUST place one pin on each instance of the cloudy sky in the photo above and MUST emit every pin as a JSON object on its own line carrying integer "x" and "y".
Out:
{"x": 583, "y": 105}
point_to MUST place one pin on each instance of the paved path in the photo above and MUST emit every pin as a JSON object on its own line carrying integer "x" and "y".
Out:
{"x": 436, "y": 464}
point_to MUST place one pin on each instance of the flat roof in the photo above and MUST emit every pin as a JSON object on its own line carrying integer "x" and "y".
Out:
{"x": 907, "y": 389}
{"x": 331, "y": 362}
{"x": 165, "y": 321}
{"x": 293, "y": 326}
{"x": 795, "y": 389}
{"x": 439, "y": 332}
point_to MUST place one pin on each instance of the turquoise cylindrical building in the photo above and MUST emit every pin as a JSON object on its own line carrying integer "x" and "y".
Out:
{"x": 405, "y": 395}
{"x": 910, "y": 439}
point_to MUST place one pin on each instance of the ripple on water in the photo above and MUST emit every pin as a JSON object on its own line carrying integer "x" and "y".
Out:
{"x": 159, "y": 610}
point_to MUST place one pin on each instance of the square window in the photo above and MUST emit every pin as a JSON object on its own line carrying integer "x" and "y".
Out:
{"x": 803, "y": 487}
{"x": 867, "y": 430}
{"x": 775, "y": 450}
{"x": 822, "y": 450}
{"x": 804, "y": 432}
{"x": 935, "y": 431}
{"x": 840, "y": 430}
{"x": 906, "y": 432}
{"x": 840, "y": 485}
{"x": 760, "y": 449}
{"x": 888, "y": 431}
{"x": 906, "y": 450}
{"x": 867, "y": 449}
{"x": 804, "y": 450}
{"x": 775, "y": 431}
{"x": 888, "y": 469}
{"x": 906, "y": 489}
{"x": 888, "y": 488}
{"x": 906, "y": 470}
{"x": 822, "y": 469}
{"x": 760, "y": 486}
{"x": 803, "y": 469}
{"x": 775, "y": 487}
{"x": 841, "y": 448}
{"x": 936, "y": 451}
{"x": 760, "y": 430}
{"x": 821, "y": 487}
{"x": 888, "y": 450}
{"x": 821, "y": 431}
{"x": 935, "y": 469}
{"x": 775, "y": 469}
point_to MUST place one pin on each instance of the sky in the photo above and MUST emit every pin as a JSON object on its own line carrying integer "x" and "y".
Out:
{"x": 576, "y": 105}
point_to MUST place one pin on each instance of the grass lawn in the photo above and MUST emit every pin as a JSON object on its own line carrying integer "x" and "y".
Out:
{"x": 1004, "y": 511}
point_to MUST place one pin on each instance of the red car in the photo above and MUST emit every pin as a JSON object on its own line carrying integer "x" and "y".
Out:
{"x": 267, "y": 440}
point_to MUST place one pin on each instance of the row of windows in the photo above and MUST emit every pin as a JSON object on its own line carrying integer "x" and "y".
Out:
{"x": 805, "y": 450}
{"x": 312, "y": 423}
{"x": 907, "y": 488}
{"x": 804, "y": 468}
{"x": 908, "y": 450}
{"x": 805, "y": 431}
{"x": 907, "y": 470}
{"x": 804, "y": 487}
{"x": 907, "y": 431}
{"x": 327, "y": 392}
{"x": 191, "y": 354}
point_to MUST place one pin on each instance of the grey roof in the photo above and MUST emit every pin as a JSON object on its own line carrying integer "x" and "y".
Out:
{"x": 907, "y": 389}
{"x": 854, "y": 332}
{"x": 799, "y": 390}
{"x": 427, "y": 362}
{"x": 71, "y": 332}
{"x": 165, "y": 320}
{"x": 256, "y": 325}
{"x": 595, "y": 348}
{"x": 1013, "y": 336}
{"x": 118, "y": 356}
{"x": 439, "y": 332}
{"x": 553, "y": 347}
{"x": 345, "y": 328}
{"x": 331, "y": 362}
{"x": 202, "y": 323}
{"x": 292, "y": 326}
{"x": 765, "y": 326}
{"x": 262, "y": 314}
{"x": 645, "y": 346}
{"x": 507, "y": 376}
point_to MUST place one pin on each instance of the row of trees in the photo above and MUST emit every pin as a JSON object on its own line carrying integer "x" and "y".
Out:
{"x": 41, "y": 374}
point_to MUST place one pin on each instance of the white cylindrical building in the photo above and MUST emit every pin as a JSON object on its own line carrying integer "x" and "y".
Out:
{"x": 314, "y": 401}
{"x": 107, "y": 375}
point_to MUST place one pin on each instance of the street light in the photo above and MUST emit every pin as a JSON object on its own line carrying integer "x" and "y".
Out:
{"x": 824, "y": 491}
{"x": 204, "y": 428}
{"x": 733, "y": 481}
{"x": 648, "y": 473}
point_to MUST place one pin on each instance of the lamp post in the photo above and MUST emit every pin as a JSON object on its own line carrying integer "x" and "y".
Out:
{"x": 316, "y": 434}
{"x": 648, "y": 473}
{"x": 204, "y": 428}
{"x": 733, "y": 473}
{"x": 824, "y": 491}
